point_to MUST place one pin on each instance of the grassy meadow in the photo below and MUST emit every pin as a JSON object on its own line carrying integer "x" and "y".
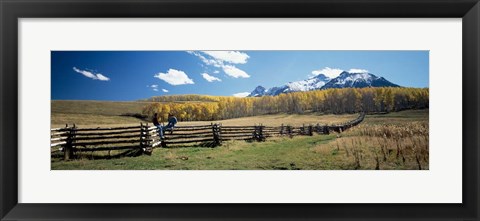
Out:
{"x": 94, "y": 112}
{"x": 396, "y": 140}
{"x": 106, "y": 113}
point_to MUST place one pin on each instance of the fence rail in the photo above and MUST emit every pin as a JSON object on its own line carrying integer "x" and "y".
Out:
{"x": 145, "y": 137}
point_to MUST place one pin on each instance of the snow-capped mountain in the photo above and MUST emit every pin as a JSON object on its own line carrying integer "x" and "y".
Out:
{"x": 358, "y": 80}
{"x": 344, "y": 80}
{"x": 258, "y": 92}
{"x": 309, "y": 84}
{"x": 312, "y": 83}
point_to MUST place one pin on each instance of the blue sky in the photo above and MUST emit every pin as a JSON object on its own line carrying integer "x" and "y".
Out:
{"x": 133, "y": 75}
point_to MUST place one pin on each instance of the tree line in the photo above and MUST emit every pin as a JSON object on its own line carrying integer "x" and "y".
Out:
{"x": 335, "y": 101}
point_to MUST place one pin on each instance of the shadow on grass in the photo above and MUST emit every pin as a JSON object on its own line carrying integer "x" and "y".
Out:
{"x": 203, "y": 144}
{"x": 91, "y": 155}
{"x": 102, "y": 155}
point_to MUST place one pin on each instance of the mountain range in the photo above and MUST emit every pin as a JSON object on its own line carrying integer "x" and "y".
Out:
{"x": 321, "y": 82}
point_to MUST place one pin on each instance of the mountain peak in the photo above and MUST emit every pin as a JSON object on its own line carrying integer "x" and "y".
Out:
{"x": 358, "y": 71}
{"x": 342, "y": 75}
{"x": 258, "y": 91}
{"x": 320, "y": 77}
{"x": 358, "y": 80}
{"x": 260, "y": 87}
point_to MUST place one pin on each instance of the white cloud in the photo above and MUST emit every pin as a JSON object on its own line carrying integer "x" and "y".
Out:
{"x": 213, "y": 62}
{"x": 360, "y": 71}
{"x": 174, "y": 77}
{"x": 234, "y": 57}
{"x": 329, "y": 72}
{"x": 225, "y": 61}
{"x": 241, "y": 94}
{"x": 102, "y": 77}
{"x": 210, "y": 78}
{"x": 234, "y": 72}
{"x": 164, "y": 90}
{"x": 153, "y": 86}
{"x": 216, "y": 72}
{"x": 89, "y": 74}
{"x": 85, "y": 73}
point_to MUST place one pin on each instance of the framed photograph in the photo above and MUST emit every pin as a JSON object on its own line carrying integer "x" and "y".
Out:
{"x": 207, "y": 115}
{"x": 239, "y": 110}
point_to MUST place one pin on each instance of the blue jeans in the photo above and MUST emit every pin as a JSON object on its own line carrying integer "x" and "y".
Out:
{"x": 169, "y": 127}
{"x": 160, "y": 130}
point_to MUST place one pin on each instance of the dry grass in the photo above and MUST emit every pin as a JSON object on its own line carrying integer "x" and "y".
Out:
{"x": 88, "y": 113}
{"x": 279, "y": 119}
{"x": 170, "y": 156}
{"x": 108, "y": 108}
{"x": 383, "y": 147}
{"x": 90, "y": 120}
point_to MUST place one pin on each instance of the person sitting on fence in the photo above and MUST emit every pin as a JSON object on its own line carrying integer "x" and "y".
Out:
{"x": 158, "y": 125}
{"x": 172, "y": 120}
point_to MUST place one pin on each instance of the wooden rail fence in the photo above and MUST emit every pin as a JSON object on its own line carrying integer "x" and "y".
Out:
{"x": 145, "y": 137}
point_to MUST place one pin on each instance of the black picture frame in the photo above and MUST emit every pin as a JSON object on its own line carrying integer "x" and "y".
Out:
{"x": 11, "y": 11}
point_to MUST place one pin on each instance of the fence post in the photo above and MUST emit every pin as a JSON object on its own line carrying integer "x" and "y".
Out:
{"x": 310, "y": 130}
{"x": 141, "y": 137}
{"x": 260, "y": 133}
{"x": 219, "y": 133}
{"x": 281, "y": 130}
{"x": 67, "y": 148}
{"x": 141, "y": 134}
{"x": 289, "y": 130}
{"x": 68, "y": 153}
{"x": 213, "y": 134}
{"x": 326, "y": 130}
{"x": 147, "y": 142}
{"x": 216, "y": 134}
